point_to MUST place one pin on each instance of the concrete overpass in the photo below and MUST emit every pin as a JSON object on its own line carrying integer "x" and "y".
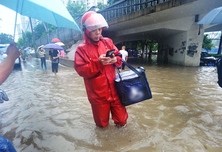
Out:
{"x": 171, "y": 23}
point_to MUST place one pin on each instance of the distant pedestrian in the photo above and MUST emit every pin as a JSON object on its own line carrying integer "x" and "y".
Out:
{"x": 124, "y": 56}
{"x": 62, "y": 53}
{"x": 54, "y": 56}
{"x": 24, "y": 54}
{"x": 42, "y": 55}
{"x": 28, "y": 53}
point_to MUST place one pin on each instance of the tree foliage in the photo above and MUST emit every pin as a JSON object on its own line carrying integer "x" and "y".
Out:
{"x": 76, "y": 8}
{"x": 148, "y": 43}
{"x": 26, "y": 40}
{"x": 207, "y": 43}
{"x": 101, "y": 5}
{"x": 110, "y": 2}
{"x": 20, "y": 43}
{"x": 41, "y": 31}
{"x": 5, "y": 38}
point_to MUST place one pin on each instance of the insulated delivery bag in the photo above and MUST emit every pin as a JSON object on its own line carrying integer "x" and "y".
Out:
{"x": 132, "y": 86}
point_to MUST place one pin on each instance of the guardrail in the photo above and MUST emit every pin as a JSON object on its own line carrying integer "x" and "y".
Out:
{"x": 125, "y": 7}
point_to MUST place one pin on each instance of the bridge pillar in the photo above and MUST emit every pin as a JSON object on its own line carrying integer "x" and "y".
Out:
{"x": 183, "y": 48}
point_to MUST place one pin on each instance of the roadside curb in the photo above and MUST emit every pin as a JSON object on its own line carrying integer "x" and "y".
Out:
{"x": 68, "y": 63}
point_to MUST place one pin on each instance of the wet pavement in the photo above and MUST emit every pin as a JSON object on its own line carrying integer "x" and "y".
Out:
{"x": 46, "y": 113}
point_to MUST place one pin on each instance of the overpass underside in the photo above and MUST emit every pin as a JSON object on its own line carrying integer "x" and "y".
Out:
{"x": 172, "y": 24}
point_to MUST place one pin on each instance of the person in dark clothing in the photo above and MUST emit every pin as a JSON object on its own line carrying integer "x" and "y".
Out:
{"x": 54, "y": 59}
{"x": 42, "y": 57}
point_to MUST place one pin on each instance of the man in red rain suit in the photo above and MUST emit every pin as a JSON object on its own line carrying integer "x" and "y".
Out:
{"x": 98, "y": 71}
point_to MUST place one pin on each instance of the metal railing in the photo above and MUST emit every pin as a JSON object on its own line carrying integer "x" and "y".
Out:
{"x": 125, "y": 7}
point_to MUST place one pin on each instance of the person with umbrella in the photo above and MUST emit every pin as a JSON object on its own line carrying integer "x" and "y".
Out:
{"x": 54, "y": 59}
{"x": 58, "y": 42}
{"x": 54, "y": 56}
{"x": 42, "y": 55}
{"x": 98, "y": 71}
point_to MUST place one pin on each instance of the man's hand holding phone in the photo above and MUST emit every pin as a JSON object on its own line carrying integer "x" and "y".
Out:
{"x": 108, "y": 58}
{"x": 110, "y": 53}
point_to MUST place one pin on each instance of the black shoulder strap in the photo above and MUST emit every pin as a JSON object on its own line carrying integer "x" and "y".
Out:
{"x": 131, "y": 67}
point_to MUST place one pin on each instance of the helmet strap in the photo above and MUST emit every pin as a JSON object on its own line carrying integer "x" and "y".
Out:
{"x": 84, "y": 27}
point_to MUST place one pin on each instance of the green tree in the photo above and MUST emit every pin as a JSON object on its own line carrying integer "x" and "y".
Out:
{"x": 155, "y": 46}
{"x": 26, "y": 40}
{"x": 52, "y": 27}
{"x": 40, "y": 30}
{"x": 148, "y": 42}
{"x": 207, "y": 43}
{"x": 110, "y": 2}
{"x": 20, "y": 43}
{"x": 5, "y": 38}
{"x": 101, "y": 5}
{"x": 76, "y": 8}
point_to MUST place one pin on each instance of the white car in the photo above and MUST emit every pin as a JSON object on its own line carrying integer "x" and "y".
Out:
{"x": 3, "y": 54}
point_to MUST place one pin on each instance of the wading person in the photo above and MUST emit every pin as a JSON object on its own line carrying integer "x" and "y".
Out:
{"x": 42, "y": 55}
{"x": 54, "y": 59}
{"x": 124, "y": 56}
{"x": 24, "y": 54}
{"x": 98, "y": 71}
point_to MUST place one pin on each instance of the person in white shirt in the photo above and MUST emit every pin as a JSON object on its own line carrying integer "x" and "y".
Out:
{"x": 124, "y": 56}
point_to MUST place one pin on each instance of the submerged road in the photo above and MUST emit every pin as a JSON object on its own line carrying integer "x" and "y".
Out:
{"x": 46, "y": 113}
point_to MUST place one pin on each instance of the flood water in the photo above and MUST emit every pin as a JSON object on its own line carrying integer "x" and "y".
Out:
{"x": 46, "y": 113}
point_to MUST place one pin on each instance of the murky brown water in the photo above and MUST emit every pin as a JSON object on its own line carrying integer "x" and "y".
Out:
{"x": 52, "y": 114}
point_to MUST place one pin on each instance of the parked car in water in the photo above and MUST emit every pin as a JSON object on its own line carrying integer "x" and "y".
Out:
{"x": 3, "y": 55}
{"x": 207, "y": 59}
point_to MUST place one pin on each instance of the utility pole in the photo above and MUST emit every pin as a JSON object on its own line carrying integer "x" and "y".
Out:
{"x": 33, "y": 35}
{"x": 47, "y": 30}
{"x": 23, "y": 37}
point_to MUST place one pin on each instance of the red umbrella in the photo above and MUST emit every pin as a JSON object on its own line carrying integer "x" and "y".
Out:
{"x": 56, "y": 40}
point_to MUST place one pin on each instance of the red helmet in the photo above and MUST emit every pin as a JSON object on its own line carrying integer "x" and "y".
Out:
{"x": 92, "y": 20}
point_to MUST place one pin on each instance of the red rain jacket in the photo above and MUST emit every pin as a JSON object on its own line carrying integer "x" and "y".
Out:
{"x": 99, "y": 79}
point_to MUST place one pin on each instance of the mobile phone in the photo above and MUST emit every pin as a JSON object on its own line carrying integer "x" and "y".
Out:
{"x": 110, "y": 53}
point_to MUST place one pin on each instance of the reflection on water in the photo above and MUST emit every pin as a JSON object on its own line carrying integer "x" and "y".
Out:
{"x": 48, "y": 113}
